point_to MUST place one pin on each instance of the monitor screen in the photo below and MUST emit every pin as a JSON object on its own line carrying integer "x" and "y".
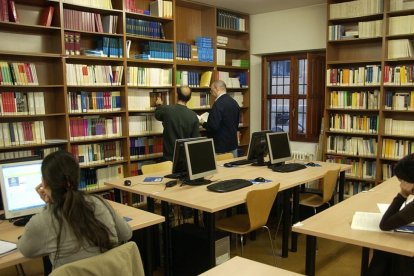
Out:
{"x": 279, "y": 147}
{"x": 258, "y": 145}
{"x": 18, "y": 182}
{"x": 201, "y": 159}
{"x": 179, "y": 159}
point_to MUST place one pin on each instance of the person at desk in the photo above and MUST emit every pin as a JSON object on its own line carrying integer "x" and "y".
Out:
{"x": 73, "y": 225}
{"x": 178, "y": 121}
{"x": 223, "y": 120}
{"x": 385, "y": 263}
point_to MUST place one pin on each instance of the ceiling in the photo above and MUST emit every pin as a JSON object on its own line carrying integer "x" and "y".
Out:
{"x": 260, "y": 6}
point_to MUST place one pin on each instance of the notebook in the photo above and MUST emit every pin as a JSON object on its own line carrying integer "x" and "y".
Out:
{"x": 6, "y": 247}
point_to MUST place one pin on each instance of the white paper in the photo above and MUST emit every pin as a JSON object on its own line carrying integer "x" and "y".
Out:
{"x": 203, "y": 116}
{"x": 383, "y": 207}
{"x": 6, "y": 247}
{"x": 366, "y": 221}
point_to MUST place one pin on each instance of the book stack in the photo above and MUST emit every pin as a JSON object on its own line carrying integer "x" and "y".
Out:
{"x": 144, "y": 124}
{"x": 84, "y": 102}
{"x": 240, "y": 63}
{"x": 222, "y": 41}
{"x": 398, "y": 127}
{"x": 356, "y": 146}
{"x": 399, "y": 100}
{"x": 161, "y": 8}
{"x": 72, "y": 43}
{"x": 93, "y": 178}
{"x": 199, "y": 100}
{"x": 193, "y": 78}
{"x": 93, "y": 75}
{"x": 156, "y": 77}
{"x": 98, "y": 153}
{"x": 397, "y": 5}
{"x": 354, "y": 99}
{"x": 146, "y": 146}
{"x": 22, "y": 103}
{"x": 401, "y": 25}
{"x": 153, "y": 50}
{"x": 400, "y": 48}
{"x": 105, "y": 4}
{"x": 387, "y": 171}
{"x": 396, "y": 148}
{"x": 399, "y": 75}
{"x": 183, "y": 51}
{"x": 356, "y": 8}
{"x": 90, "y": 22}
{"x": 24, "y": 154}
{"x": 355, "y": 169}
{"x": 205, "y": 48}
{"x": 83, "y": 128}
{"x": 145, "y": 28}
{"x": 228, "y": 20}
{"x": 353, "y": 123}
{"x": 18, "y": 73}
{"x": 22, "y": 133}
{"x": 356, "y": 76}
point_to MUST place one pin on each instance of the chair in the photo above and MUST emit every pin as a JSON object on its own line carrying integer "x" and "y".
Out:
{"x": 122, "y": 260}
{"x": 259, "y": 203}
{"x": 158, "y": 167}
{"x": 224, "y": 156}
{"x": 328, "y": 187}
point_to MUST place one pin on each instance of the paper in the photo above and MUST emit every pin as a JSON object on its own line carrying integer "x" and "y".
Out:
{"x": 153, "y": 179}
{"x": 383, "y": 207}
{"x": 203, "y": 116}
{"x": 366, "y": 221}
{"x": 6, "y": 247}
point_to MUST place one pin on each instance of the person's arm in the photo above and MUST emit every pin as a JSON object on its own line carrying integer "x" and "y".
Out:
{"x": 159, "y": 110}
{"x": 33, "y": 242}
{"x": 214, "y": 121}
{"x": 394, "y": 218}
{"x": 124, "y": 230}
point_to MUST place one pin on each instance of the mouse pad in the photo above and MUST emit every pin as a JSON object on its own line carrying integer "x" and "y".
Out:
{"x": 255, "y": 182}
{"x": 151, "y": 179}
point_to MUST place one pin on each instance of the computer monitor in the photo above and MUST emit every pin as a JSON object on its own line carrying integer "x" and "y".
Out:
{"x": 201, "y": 158}
{"x": 179, "y": 161}
{"x": 258, "y": 148}
{"x": 18, "y": 182}
{"x": 279, "y": 147}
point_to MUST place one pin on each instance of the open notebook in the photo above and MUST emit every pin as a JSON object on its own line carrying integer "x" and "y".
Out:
{"x": 6, "y": 247}
{"x": 370, "y": 222}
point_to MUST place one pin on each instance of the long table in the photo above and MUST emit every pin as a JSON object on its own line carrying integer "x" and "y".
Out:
{"x": 198, "y": 197}
{"x": 139, "y": 220}
{"x": 335, "y": 224}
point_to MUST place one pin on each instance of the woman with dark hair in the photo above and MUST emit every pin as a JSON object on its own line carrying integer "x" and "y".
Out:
{"x": 73, "y": 225}
{"x": 385, "y": 263}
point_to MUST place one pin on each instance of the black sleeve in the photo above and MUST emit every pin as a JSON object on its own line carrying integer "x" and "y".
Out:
{"x": 159, "y": 112}
{"x": 394, "y": 218}
{"x": 214, "y": 121}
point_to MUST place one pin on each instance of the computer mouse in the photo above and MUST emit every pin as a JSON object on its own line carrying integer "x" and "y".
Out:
{"x": 228, "y": 165}
{"x": 311, "y": 164}
{"x": 127, "y": 182}
{"x": 171, "y": 183}
{"x": 259, "y": 179}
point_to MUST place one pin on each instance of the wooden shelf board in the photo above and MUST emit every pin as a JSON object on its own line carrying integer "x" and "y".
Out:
{"x": 92, "y": 140}
{"x": 234, "y": 49}
{"x": 95, "y": 86}
{"x": 400, "y": 12}
{"x": 355, "y": 19}
{"x": 179, "y": 62}
{"x": 230, "y": 31}
{"x": 351, "y": 133}
{"x": 92, "y": 33}
{"x": 142, "y": 111}
{"x": 365, "y": 61}
{"x": 147, "y": 38}
{"x": 232, "y": 67}
{"x": 150, "y": 87}
{"x": 398, "y": 111}
{"x": 351, "y": 155}
{"x": 356, "y": 178}
{"x": 130, "y": 14}
{"x": 32, "y": 116}
{"x": 351, "y": 109}
{"x": 29, "y": 55}
{"x": 146, "y": 157}
{"x": 26, "y": 27}
{"x": 201, "y": 108}
{"x": 73, "y": 114}
{"x": 356, "y": 40}
{"x": 145, "y": 134}
{"x": 353, "y": 86}
{"x": 399, "y": 86}
{"x": 91, "y": 9}
{"x": 104, "y": 164}
{"x": 24, "y": 146}
{"x": 97, "y": 190}
{"x": 82, "y": 57}
{"x": 31, "y": 86}
{"x": 148, "y": 61}
{"x": 390, "y": 159}
{"x": 400, "y": 36}
{"x": 408, "y": 136}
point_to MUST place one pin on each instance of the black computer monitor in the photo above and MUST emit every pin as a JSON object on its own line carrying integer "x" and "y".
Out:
{"x": 179, "y": 160}
{"x": 258, "y": 148}
{"x": 279, "y": 147}
{"x": 201, "y": 159}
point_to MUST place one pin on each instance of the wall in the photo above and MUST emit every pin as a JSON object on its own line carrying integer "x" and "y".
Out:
{"x": 282, "y": 31}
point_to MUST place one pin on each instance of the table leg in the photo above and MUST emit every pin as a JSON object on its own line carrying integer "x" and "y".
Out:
{"x": 150, "y": 204}
{"x": 341, "y": 186}
{"x": 117, "y": 195}
{"x": 143, "y": 239}
{"x": 364, "y": 261}
{"x": 210, "y": 225}
{"x": 195, "y": 217}
{"x": 295, "y": 218}
{"x": 165, "y": 211}
{"x": 310, "y": 255}
{"x": 286, "y": 222}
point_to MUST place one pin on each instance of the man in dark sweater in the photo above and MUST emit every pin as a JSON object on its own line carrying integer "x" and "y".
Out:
{"x": 385, "y": 263}
{"x": 178, "y": 121}
{"x": 223, "y": 120}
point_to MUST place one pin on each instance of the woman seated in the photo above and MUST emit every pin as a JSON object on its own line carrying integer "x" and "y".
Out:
{"x": 73, "y": 225}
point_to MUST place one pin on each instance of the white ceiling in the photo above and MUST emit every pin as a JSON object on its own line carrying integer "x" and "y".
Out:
{"x": 260, "y": 6}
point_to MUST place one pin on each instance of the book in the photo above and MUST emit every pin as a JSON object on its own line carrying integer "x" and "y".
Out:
{"x": 47, "y": 16}
{"x": 152, "y": 179}
{"x": 366, "y": 221}
{"x": 203, "y": 116}
{"x": 12, "y": 12}
{"x": 6, "y": 247}
{"x": 205, "y": 79}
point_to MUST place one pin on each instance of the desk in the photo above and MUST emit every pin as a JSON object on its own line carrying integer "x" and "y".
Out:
{"x": 140, "y": 219}
{"x": 198, "y": 197}
{"x": 244, "y": 267}
{"x": 335, "y": 224}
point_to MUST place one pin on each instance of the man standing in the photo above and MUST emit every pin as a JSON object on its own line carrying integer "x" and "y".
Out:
{"x": 178, "y": 121}
{"x": 223, "y": 120}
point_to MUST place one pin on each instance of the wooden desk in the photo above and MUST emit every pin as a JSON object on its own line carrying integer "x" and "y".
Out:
{"x": 140, "y": 219}
{"x": 244, "y": 267}
{"x": 335, "y": 224}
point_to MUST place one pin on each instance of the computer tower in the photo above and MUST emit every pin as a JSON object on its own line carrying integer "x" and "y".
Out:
{"x": 190, "y": 252}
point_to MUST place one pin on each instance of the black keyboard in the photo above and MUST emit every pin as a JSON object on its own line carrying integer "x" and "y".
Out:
{"x": 229, "y": 185}
{"x": 289, "y": 167}
{"x": 241, "y": 162}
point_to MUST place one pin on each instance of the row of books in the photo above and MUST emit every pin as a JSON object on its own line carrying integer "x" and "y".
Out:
{"x": 354, "y": 163}
{"x": 399, "y": 74}
{"x": 387, "y": 171}
{"x": 8, "y": 11}
{"x": 143, "y": 146}
{"x": 193, "y": 78}
{"x": 236, "y": 80}
{"x": 98, "y": 153}
{"x": 105, "y": 46}
{"x": 154, "y": 50}
{"x": 240, "y": 63}
{"x": 84, "y": 102}
{"x": 230, "y": 21}
{"x": 83, "y": 128}
{"x": 368, "y": 75}
{"x": 356, "y": 146}
{"x": 141, "y": 76}
{"x": 237, "y": 96}
{"x": 93, "y": 75}
{"x": 398, "y": 127}
{"x": 102, "y": 4}
{"x": 140, "y": 27}
{"x": 399, "y": 100}
{"x": 38, "y": 153}
{"x": 221, "y": 57}
{"x": 22, "y": 103}
{"x": 401, "y": 25}
{"x": 398, "y": 5}
{"x": 161, "y": 8}
{"x": 144, "y": 124}
{"x": 95, "y": 178}
{"x": 145, "y": 99}
{"x": 199, "y": 100}
{"x": 186, "y": 51}
{"x": 22, "y": 133}
{"x": 354, "y": 123}
{"x": 18, "y": 73}
{"x": 400, "y": 48}
{"x": 396, "y": 148}
{"x": 356, "y": 8}
{"x": 89, "y": 21}
{"x": 362, "y": 30}
{"x": 354, "y": 187}
{"x": 354, "y": 99}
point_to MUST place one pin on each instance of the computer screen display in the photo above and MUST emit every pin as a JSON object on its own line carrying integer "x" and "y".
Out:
{"x": 179, "y": 159}
{"x": 258, "y": 145}
{"x": 279, "y": 147}
{"x": 18, "y": 182}
{"x": 201, "y": 160}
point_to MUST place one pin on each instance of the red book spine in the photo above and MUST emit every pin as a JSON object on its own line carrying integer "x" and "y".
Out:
{"x": 12, "y": 12}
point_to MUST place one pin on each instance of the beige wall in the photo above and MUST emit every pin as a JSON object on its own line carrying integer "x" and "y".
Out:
{"x": 282, "y": 31}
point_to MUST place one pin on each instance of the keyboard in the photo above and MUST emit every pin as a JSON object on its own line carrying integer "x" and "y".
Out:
{"x": 241, "y": 162}
{"x": 229, "y": 185}
{"x": 289, "y": 167}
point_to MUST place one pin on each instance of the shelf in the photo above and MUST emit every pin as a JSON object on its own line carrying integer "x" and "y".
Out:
{"x": 97, "y": 190}
{"x": 400, "y": 12}
{"x": 351, "y": 133}
{"x": 354, "y": 86}
{"x": 399, "y": 60}
{"x": 9, "y": 26}
{"x": 93, "y": 140}
{"x": 398, "y": 111}
{"x": 104, "y": 164}
{"x": 365, "y": 61}
{"x": 19, "y": 147}
{"x": 151, "y": 87}
{"x": 147, "y": 38}
{"x": 399, "y": 86}
{"x": 230, "y": 31}
{"x": 351, "y": 155}
{"x": 145, "y": 134}
{"x": 233, "y": 49}
{"x": 148, "y": 17}
{"x": 228, "y": 67}
{"x": 194, "y": 63}
{"x": 142, "y": 111}
{"x": 93, "y": 58}
{"x": 390, "y": 159}
{"x": 408, "y": 136}
{"x": 148, "y": 61}
{"x": 356, "y": 40}
{"x": 91, "y": 9}
{"x": 31, "y": 116}
{"x": 95, "y": 86}
{"x": 356, "y": 178}
{"x": 201, "y": 108}
{"x": 73, "y": 114}
{"x": 351, "y": 109}
{"x": 92, "y": 33}
{"x": 37, "y": 87}
{"x": 146, "y": 157}
{"x": 355, "y": 19}
{"x": 29, "y": 55}
{"x": 400, "y": 36}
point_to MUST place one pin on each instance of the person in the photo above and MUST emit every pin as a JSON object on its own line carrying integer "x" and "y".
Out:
{"x": 178, "y": 121}
{"x": 223, "y": 120}
{"x": 73, "y": 225}
{"x": 385, "y": 263}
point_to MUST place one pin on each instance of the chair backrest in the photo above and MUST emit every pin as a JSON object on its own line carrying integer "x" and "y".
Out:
{"x": 122, "y": 260}
{"x": 158, "y": 167}
{"x": 224, "y": 156}
{"x": 329, "y": 184}
{"x": 259, "y": 204}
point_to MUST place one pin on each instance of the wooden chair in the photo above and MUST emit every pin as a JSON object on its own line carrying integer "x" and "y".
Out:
{"x": 259, "y": 203}
{"x": 328, "y": 187}
{"x": 224, "y": 156}
{"x": 157, "y": 167}
{"x": 122, "y": 260}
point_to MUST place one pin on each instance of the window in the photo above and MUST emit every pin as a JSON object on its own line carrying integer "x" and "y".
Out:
{"x": 293, "y": 94}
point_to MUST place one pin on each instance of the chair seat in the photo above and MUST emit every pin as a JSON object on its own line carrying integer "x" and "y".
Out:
{"x": 311, "y": 200}
{"x": 238, "y": 224}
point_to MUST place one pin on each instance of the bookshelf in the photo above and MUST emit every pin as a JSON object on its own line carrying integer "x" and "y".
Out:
{"x": 89, "y": 73}
{"x": 368, "y": 108}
